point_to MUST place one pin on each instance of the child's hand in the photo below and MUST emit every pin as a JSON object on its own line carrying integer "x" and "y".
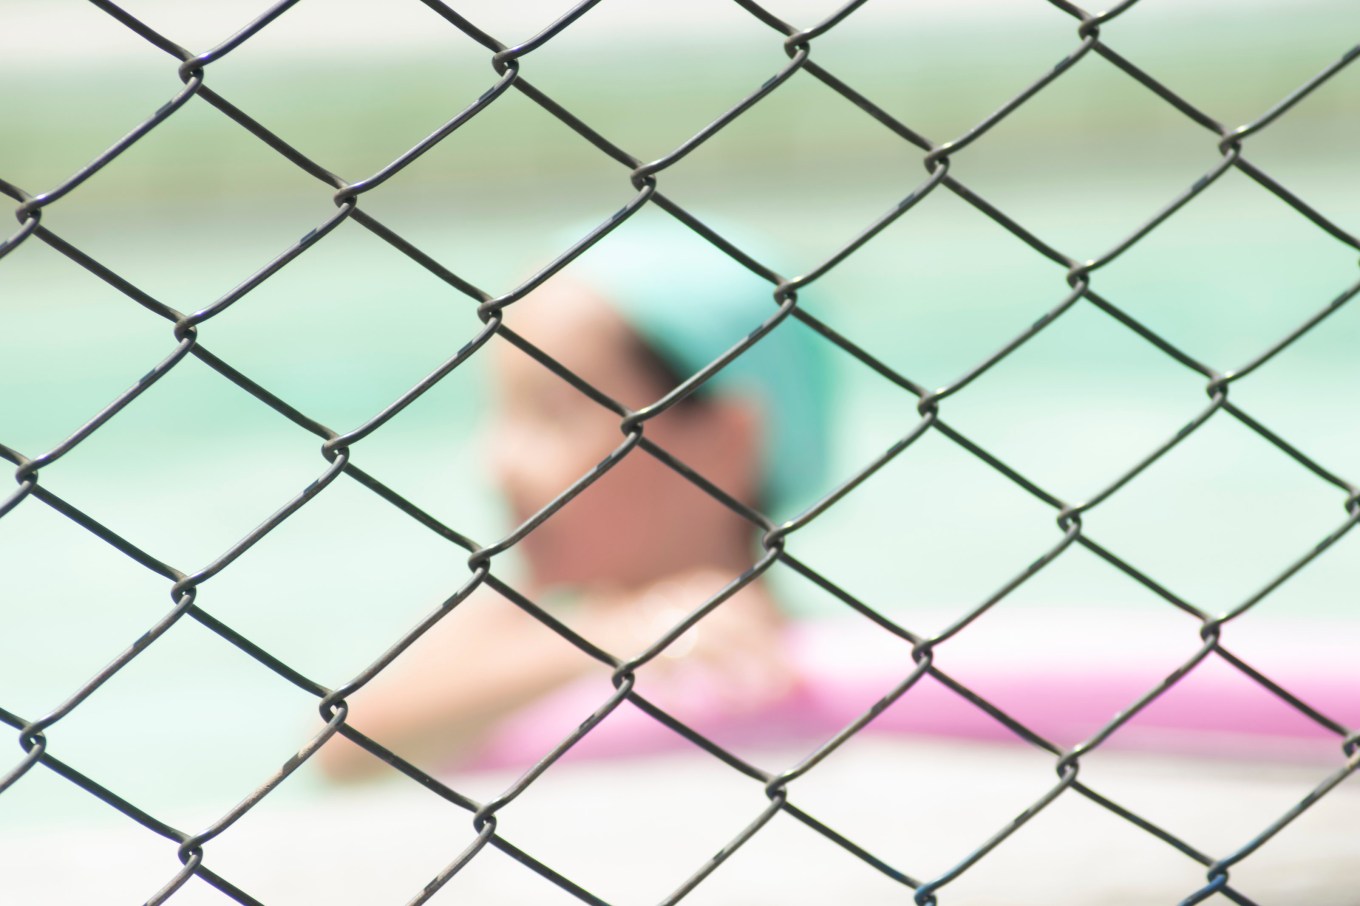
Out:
{"x": 733, "y": 658}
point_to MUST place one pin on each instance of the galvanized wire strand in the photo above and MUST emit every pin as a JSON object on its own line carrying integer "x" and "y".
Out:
{"x": 945, "y": 164}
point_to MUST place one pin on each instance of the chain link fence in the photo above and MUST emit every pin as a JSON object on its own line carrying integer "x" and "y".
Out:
{"x": 511, "y": 69}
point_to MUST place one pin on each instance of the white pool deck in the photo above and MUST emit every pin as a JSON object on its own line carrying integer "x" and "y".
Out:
{"x": 632, "y": 831}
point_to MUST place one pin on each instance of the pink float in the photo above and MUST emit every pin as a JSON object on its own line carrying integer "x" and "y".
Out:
{"x": 841, "y": 668}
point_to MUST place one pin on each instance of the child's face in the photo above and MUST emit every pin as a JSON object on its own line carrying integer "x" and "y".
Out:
{"x": 637, "y": 522}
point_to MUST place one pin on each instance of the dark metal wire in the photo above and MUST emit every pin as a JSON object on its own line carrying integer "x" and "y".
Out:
{"x": 508, "y": 65}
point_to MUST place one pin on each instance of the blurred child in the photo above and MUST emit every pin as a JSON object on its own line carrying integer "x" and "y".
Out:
{"x": 642, "y": 547}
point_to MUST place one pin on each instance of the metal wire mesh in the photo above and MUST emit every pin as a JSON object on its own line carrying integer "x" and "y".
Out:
{"x": 39, "y": 735}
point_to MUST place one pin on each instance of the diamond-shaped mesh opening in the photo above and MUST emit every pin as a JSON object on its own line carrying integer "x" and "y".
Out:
{"x": 990, "y": 347}
{"x": 154, "y": 733}
{"x": 782, "y": 140}
{"x": 564, "y": 821}
{"x": 1302, "y": 860}
{"x": 972, "y": 791}
{"x": 895, "y": 53}
{"x": 142, "y": 189}
{"x": 572, "y": 686}
{"x": 198, "y": 32}
{"x": 1305, "y": 167}
{"x": 1095, "y": 398}
{"x": 952, "y": 313}
{"x": 546, "y": 183}
{"x": 418, "y": 450}
{"x": 1060, "y": 850}
{"x": 1052, "y": 621}
{"x": 57, "y": 565}
{"x": 494, "y": 877}
{"x": 796, "y": 862}
{"x": 1308, "y": 378}
{"x": 370, "y": 298}
{"x": 58, "y": 815}
{"x": 1218, "y": 700}
{"x": 287, "y": 80}
{"x": 515, "y": 23}
{"x": 650, "y": 114}
{"x": 1230, "y": 274}
{"x": 125, "y": 337}
{"x": 1243, "y": 537}
{"x": 1215, "y": 75}
{"x": 135, "y": 79}
{"x": 938, "y": 487}
{"x": 392, "y": 851}
{"x": 1133, "y": 155}
{"x": 1300, "y": 635}
{"x": 160, "y": 434}
{"x": 287, "y": 596}
{"x": 1204, "y": 802}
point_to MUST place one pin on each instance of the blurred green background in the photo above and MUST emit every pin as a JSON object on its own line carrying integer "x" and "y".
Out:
{"x": 199, "y": 205}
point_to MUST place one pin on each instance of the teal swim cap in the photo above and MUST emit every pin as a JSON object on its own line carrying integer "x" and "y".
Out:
{"x": 690, "y": 302}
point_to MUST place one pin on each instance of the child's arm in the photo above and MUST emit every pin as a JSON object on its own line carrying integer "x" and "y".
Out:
{"x": 487, "y": 658}
{"x": 481, "y": 661}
